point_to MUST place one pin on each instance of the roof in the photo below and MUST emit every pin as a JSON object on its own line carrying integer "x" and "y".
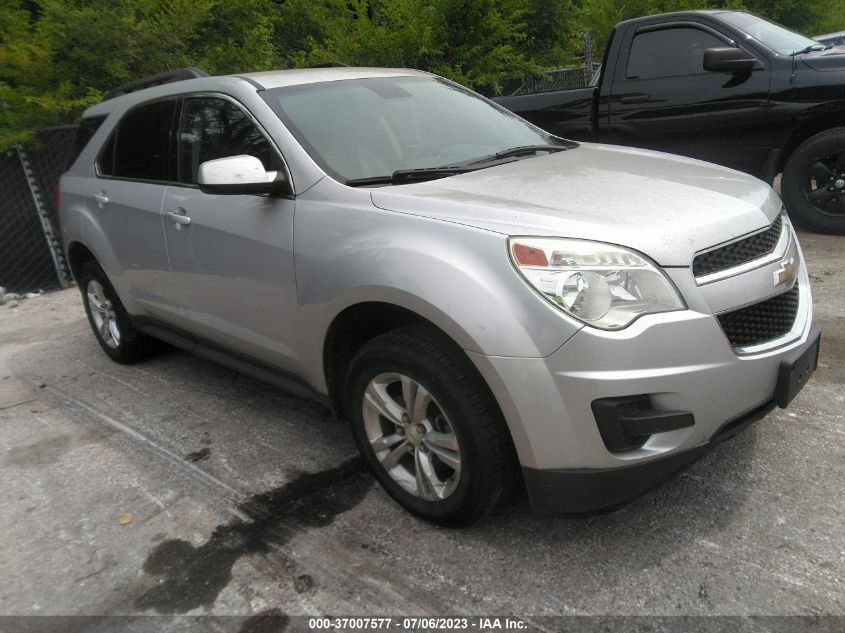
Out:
{"x": 281, "y": 78}
{"x": 680, "y": 15}
{"x": 261, "y": 80}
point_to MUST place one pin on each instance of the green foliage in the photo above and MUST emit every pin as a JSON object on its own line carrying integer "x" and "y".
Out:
{"x": 62, "y": 55}
{"x": 475, "y": 42}
{"x": 805, "y": 16}
{"x": 59, "y": 56}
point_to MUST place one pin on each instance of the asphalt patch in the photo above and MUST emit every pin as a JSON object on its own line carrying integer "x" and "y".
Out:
{"x": 192, "y": 577}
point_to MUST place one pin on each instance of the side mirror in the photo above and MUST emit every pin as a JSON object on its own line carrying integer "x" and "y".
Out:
{"x": 730, "y": 60}
{"x": 240, "y": 175}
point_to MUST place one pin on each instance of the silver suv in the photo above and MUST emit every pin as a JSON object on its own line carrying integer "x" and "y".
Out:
{"x": 485, "y": 303}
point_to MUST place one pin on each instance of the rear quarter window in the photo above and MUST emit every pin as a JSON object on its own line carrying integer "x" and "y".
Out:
{"x": 86, "y": 130}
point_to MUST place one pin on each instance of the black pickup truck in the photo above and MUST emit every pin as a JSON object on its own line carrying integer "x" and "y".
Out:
{"x": 723, "y": 86}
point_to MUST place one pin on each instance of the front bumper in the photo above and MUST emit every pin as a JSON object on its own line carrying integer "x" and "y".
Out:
{"x": 590, "y": 490}
{"x": 583, "y": 491}
{"x": 682, "y": 361}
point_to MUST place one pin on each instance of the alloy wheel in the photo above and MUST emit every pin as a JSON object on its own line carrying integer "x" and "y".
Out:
{"x": 411, "y": 436}
{"x": 103, "y": 314}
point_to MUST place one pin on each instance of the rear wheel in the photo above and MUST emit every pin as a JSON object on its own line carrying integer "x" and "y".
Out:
{"x": 112, "y": 326}
{"x": 428, "y": 428}
{"x": 813, "y": 183}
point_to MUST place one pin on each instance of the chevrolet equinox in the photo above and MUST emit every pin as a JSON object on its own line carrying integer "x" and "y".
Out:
{"x": 484, "y": 302}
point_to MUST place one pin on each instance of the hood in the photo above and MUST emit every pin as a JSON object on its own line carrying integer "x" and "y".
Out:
{"x": 832, "y": 59}
{"x": 662, "y": 205}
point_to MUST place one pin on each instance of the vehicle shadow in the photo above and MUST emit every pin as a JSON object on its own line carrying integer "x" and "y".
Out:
{"x": 696, "y": 510}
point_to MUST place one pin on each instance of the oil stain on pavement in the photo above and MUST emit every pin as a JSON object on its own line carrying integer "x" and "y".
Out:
{"x": 193, "y": 577}
{"x": 270, "y": 621}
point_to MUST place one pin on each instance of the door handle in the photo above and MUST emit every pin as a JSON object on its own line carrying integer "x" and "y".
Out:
{"x": 636, "y": 99}
{"x": 101, "y": 198}
{"x": 179, "y": 218}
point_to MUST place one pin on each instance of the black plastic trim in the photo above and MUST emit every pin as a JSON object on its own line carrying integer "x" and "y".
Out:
{"x": 588, "y": 491}
{"x": 243, "y": 363}
{"x": 795, "y": 371}
{"x": 626, "y": 423}
{"x": 258, "y": 87}
{"x": 687, "y": 24}
{"x": 167, "y": 77}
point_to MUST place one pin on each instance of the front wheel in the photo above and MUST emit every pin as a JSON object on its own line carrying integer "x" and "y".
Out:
{"x": 428, "y": 427}
{"x": 813, "y": 183}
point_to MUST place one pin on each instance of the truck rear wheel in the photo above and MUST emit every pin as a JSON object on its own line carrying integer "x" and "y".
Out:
{"x": 813, "y": 183}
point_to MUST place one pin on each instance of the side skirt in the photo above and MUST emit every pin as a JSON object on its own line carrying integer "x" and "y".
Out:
{"x": 242, "y": 363}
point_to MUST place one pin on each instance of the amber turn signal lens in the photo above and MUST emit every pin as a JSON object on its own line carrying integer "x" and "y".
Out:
{"x": 529, "y": 256}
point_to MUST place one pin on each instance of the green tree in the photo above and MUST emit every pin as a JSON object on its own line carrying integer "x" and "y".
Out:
{"x": 810, "y": 17}
{"x": 475, "y": 42}
{"x": 58, "y": 56}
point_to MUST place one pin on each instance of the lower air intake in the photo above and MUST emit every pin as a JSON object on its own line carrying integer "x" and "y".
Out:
{"x": 761, "y": 322}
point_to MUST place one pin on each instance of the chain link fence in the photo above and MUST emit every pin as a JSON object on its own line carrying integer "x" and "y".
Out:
{"x": 560, "y": 79}
{"x": 31, "y": 254}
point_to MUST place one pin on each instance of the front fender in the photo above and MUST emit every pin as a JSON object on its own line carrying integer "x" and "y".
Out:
{"x": 456, "y": 276}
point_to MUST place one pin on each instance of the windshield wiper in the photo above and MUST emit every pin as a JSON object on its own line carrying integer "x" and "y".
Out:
{"x": 522, "y": 150}
{"x": 409, "y": 175}
{"x": 431, "y": 173}
{"x": 810, "y": 49}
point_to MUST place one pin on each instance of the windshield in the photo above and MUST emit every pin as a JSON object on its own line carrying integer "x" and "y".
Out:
{"x": 774, "y": 36}
{"x": 367, "y": 128}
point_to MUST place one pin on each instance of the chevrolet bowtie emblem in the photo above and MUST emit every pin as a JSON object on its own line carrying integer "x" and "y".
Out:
{"x": 786, "y": 272}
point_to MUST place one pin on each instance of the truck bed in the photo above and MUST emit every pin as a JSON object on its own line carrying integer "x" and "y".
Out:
{"x": 566, "y": 113}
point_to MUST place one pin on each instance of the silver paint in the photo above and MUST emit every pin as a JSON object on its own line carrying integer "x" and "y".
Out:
{"x": 268, "y": 276}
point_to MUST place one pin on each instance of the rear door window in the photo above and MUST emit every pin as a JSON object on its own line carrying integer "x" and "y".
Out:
{"x": 139, "y": 148}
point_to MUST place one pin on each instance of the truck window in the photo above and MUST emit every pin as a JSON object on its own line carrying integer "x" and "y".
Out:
{"x": 669, "y": 53}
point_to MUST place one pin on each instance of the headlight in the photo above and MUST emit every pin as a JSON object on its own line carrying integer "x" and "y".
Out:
{"x": 603, "y": 285}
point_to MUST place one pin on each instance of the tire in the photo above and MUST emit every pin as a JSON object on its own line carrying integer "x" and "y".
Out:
{"x": 112, "y": 326}
{"x": 813, "y": 183}
{"x": 458, "y": 462}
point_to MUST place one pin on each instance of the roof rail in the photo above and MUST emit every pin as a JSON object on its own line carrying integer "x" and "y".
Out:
{"x": 329, "y": 65}
{"x": 167, "y": 77}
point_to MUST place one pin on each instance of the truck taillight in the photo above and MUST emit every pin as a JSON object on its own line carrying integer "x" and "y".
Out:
{"x": 57, "y": 196}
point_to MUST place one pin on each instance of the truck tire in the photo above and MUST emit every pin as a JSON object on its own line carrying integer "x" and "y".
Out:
{"x": 447, "y": 457}
{"x": 113, "y": 328}
{"x": 813, "y": 183}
